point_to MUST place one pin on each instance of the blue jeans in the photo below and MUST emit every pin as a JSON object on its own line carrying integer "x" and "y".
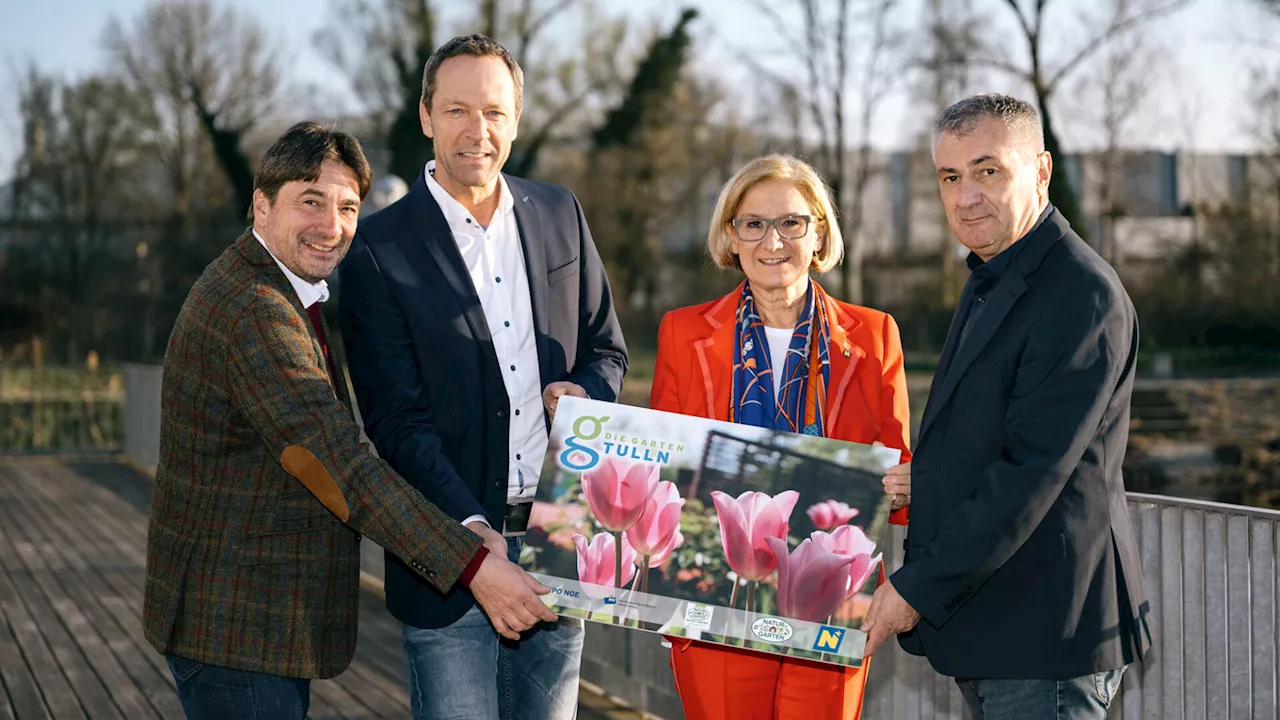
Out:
{"x": 1080, "y": 698}
{"x": 210, "y": 692}
{"x": 466, "y": 671}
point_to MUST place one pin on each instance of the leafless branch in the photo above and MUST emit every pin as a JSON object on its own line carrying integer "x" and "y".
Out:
{"x": 1022, "y": 20}
{"x": 842, "y": 73}
{"x": 1001, "y": 65}
{"x": 812, "y": 55}
{"x": 780, "y": 25}
{"x": 531, "y": 25}
{"x": 874, "y": 88}
{"x": 1117, "y": 27}
{"x": 1039, "y": 21}
{"x": 752, "y": 61}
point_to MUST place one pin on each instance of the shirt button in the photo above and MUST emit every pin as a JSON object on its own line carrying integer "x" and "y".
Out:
{"x": 517, "y": 412}
{"x": 468, "y": 221}
{"x": 513, "y": 367}
{"x": 507, "y": 323}
{"x": 517, "y": 456}
{"x": 497, "y": 279}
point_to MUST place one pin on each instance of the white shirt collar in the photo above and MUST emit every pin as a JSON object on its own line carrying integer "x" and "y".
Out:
{"x": 308, "y": 293}
{"x": 454, "y": 213}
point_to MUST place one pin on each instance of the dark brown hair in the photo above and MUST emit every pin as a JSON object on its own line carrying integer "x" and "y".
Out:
{"x": 299, "y": 154}
{"x": 477, "y": 46}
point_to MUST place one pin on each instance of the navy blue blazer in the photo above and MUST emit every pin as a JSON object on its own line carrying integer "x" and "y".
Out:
{"x": 1020, "y": 555}
{"x": 422, "y": 362}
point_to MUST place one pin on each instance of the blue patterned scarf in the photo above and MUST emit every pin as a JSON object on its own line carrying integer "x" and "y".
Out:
{"x": 801, "y": 402}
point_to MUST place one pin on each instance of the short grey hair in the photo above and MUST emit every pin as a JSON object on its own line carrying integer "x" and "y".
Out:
{"x": 1019, "y": 117}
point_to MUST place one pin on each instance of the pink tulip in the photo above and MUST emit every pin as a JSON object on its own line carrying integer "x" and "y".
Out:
{"x": 830, "y": 514}
{"x": 747, "y": 523}
{"x": 811, "y": 580}
{"x": 657, "y": 559}
{"x": 660, "y": 521}
{"x": 596, "y": 563}
{"x": 617, "y": 491}
{"x": 849, "y": 541}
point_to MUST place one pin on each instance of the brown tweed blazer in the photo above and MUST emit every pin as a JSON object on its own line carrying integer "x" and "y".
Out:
{"x": 263, "y": 488}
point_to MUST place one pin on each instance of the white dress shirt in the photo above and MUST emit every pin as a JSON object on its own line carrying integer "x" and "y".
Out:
{"x": 495, "y": 261}
{"x": 308, "y": 293}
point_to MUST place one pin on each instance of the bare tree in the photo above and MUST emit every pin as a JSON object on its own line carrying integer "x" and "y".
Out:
{"x": 81, "y": 169}
{"x": 651, "y": 160}
{"x": 212, "y": 71}
{"x": 36, "y": 111}
{"x": 874, "y": 86}
{"x": 842, "y": 71}
{"x": 561, "y": 78}
{"x": 489, "y": 17}
{"x": 1046, "y": 78}
{"x": 564, "y": 81}
{"x": 521, "y": 25}
{"x": 394, "y": 39}
{"x": 1233, "y": 269}
{"x": 1263, "y": 201}
{"x": 945, "y": 71}
{"x": 1244, "y": 238}
{"x": 1123, "y": 86}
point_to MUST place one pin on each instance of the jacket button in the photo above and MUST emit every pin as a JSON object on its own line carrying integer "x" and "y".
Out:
{"x": 497, "y": 483}
{"x": 502, "y": 413}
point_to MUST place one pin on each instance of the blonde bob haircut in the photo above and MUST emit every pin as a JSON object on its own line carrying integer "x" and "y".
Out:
{"x": 804, "y": 178}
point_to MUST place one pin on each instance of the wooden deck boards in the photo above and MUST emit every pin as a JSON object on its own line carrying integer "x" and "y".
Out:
{"x": 72, "y": 563}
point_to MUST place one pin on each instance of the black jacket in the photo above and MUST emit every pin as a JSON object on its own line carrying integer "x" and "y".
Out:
{"x": 423, "y": 365}
{"x": 1020, "y": 555}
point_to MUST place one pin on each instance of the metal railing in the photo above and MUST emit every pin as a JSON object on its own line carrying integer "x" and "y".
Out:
{"x": 1211, "y": 576}
{"x": 1213, "y": 580}
{"x": 1212, "y": 573}
{"x": 142, "y": 415}
{"x": 59, "y": 409}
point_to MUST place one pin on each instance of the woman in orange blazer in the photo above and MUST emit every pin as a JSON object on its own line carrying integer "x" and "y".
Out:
{"x": 780, "y": 352}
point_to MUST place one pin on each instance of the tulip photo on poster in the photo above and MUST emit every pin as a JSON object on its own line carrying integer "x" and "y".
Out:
{"x": 698, "y": 528}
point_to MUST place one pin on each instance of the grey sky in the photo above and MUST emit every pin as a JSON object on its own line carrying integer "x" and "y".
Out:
{"x": 1201, "y": 78}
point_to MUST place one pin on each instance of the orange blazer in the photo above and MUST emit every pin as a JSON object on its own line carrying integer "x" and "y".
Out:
{"x": 867, "y": 395}
{"x": 866, "y": 402}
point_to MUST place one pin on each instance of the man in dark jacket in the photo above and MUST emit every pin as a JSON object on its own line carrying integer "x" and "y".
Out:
{"x": 1021, "y": 577}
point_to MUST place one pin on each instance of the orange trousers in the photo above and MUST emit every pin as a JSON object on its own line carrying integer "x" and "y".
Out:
{"x": 716, "y": 682}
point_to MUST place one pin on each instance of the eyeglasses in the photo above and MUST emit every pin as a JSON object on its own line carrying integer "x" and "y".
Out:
{"x": 789, "y": 227}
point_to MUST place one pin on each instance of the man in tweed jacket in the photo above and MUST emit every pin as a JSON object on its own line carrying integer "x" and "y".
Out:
{"x": 263, "y": 489}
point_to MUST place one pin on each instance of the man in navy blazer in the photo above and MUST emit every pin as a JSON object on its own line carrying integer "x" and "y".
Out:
{"x": 468, "y": 307}
{"x": 1021, "y": 577}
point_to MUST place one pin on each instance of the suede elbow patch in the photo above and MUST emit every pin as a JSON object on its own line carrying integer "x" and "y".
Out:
{"x": 307, "y": 468}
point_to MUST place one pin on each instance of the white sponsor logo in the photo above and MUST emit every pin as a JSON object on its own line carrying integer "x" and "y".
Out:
{"x": 697, "y": 617}
{"x": 772, "y": 630}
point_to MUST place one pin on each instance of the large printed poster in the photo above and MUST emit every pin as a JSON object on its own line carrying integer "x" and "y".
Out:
{"x": 710, "y": 530}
